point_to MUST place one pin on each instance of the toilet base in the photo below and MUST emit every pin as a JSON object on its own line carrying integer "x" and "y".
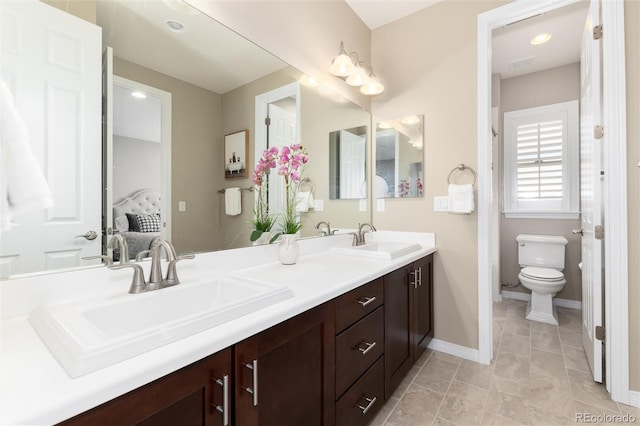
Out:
{"x": 541, "y": 308}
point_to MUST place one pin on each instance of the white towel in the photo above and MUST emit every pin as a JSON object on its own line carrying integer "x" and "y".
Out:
{"x": 232, "y": 201}
{"x": 461, "y": 198}
{"x": 304, "y": 201}
{"x": 23, "y": 186}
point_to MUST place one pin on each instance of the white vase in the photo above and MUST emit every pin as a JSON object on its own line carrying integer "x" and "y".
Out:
{"x": 288, "y": 249}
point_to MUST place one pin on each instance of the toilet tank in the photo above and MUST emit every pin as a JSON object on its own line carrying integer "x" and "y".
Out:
{"x": 541, "y": 250}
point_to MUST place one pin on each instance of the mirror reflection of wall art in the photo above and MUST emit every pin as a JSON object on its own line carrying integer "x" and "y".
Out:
{"x": 236, "y": 146}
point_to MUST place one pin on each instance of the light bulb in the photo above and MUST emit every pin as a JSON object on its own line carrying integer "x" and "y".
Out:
{"x": 358, "y": 77}
{"x": 373, "y": 87}
{"x": 540, "y": 39}
{"x": 342, "y": 65}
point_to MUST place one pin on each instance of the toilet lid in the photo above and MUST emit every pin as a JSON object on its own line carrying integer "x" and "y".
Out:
{"x": 546, "y": 274}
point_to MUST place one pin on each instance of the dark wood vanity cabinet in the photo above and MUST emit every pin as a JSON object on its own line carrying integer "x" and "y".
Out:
{"x": 193, "y": 395}
{"x": 335, "y": 364}
{"x": 408, "y": 324}
{"x": 285, "y": 375}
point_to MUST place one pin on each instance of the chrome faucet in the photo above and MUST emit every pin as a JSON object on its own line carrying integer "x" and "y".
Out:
{"x": 359, "y": 237}
{"x": 156, "y": 281}
{"x": 326, "y": 228}
{"x": 118, "y": 240}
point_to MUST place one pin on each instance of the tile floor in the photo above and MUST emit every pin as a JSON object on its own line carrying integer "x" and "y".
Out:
{"x": 539, "y": 376}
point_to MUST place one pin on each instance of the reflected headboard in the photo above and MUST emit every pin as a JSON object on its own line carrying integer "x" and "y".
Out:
{"x": 144, "y": 201}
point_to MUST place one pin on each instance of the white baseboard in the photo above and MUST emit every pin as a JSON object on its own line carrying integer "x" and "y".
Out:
{"x": 453, "y": 349}
{"x": 563, "y": 303}
{"x": 634, "y": 398}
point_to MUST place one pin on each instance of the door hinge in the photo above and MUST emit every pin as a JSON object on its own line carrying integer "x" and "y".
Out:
{"x": 267, "y": 121}
{"x": 599, "y": 232}
{"x": 600, "y": 333}
{"x": 598, "y": 132}
{"x": 597, "y": 32}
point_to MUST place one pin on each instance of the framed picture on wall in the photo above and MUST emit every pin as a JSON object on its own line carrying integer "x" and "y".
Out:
{"x": 236, "y": 146}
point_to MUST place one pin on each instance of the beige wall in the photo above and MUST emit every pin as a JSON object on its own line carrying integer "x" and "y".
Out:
{"x": 632, "y": 45}
{"x": 552, "y": 86}
{"x": 85, "y": 9}
{"x": 428, "y": 64}
{"x": 196, "y": 157}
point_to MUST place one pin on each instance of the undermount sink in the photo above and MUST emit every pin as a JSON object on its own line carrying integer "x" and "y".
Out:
{"x": 379, "y": 249}
{"x": 87, "y": 335}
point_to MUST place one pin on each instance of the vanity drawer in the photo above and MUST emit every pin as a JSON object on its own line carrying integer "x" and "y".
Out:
{"x": 362, "y": 402}
{"x": 357, "y": 303}
{"x": 357, "y": 348}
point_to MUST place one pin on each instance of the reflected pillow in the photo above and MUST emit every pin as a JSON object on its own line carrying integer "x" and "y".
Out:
{"x": 122, "y": 223}
{"x": 144, "y": 222}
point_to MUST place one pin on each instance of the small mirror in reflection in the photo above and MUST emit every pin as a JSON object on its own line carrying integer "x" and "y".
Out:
{"x": 347, "y": 164}
{"x": 399, "y": 158}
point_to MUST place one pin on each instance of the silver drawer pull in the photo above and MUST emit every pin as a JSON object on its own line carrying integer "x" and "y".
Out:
{"x": 364, "y": 301}
{"x": 370, "y": 402}
{"x": 224, "y": 409}
{"x": 253, "y": 391}
{"x": 368, "y": 345}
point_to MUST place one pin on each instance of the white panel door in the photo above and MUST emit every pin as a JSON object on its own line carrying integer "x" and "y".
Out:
{"x": 282, "y": 132}
{"x": 51, "y": 62}
{"x": 352, "y": 165}
{"x": 591, "y": 191}
{"x": 107, "y": 149}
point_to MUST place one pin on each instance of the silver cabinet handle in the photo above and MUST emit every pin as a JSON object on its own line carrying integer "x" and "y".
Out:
{"x": 413, "y": 278}
{"x": 224, "y": 409}
{"x": 254, "y": 390}
{"x": 90, "y": 235}
{"x": 370, "y": 402}
{"x": 364, "y": 300}
{"x": 420, "y": 276}
{"x": 368, "y": 347}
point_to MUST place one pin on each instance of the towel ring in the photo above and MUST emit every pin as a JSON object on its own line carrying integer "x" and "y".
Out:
{"x": 462, "y": 167}
{"x": 306, "y": 181}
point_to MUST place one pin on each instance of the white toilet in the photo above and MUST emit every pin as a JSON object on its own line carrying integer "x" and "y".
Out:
{"x": 541, "y": 258}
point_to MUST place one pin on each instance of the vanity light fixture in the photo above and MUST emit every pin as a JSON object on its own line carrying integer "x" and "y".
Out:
{"x": 138, "y": 95}
{"x": 355, "y": 72}
{"x": 540, "y": 39}
{"x": 412, "y": 119}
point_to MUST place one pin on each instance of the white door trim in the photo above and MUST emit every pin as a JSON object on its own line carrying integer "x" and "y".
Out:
{"x": 615, "y": 209}
{"x": 262, "y": 105}
{"x": 165, "y": 184}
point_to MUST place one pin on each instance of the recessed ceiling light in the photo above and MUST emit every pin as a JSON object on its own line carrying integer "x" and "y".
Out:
{"x": 540, "y": 39}
{"x": 412, "y": 119}
{"x": 309, "y": 81}
{"x": 384, "y": 125}
{"x": 138, "y": 95}
{"x": 175, "y": 26}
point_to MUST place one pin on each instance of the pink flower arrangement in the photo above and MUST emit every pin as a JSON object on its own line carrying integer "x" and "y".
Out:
{"x": 289, "y": 161}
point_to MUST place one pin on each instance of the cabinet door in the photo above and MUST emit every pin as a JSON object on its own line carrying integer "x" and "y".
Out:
{"x": 398, "y": 316}
{"x": 188, "y": 396}
{"x": 285, "y": 375}
{"x": 423, "y": 305}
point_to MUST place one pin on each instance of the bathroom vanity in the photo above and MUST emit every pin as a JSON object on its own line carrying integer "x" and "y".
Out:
{"x": 331, "y": 354}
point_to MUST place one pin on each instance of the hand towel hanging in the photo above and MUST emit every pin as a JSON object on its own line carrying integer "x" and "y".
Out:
{"x": 232, "y": 201}
{"x": 461, "y": 198}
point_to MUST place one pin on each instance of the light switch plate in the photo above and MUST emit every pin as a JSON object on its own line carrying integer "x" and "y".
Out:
{"x": 182, "y": 206}
{"x": 318, "y": 205}
{"x": 363, "y": 205}
{"x": 381, "y": 204}
{"x": 441, "y": 204}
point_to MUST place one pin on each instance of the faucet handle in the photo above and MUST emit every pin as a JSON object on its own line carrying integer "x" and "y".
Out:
{"x": 138, "y": 283}
{"x": 142, "y": 254}
{"x": 172, "y": 274}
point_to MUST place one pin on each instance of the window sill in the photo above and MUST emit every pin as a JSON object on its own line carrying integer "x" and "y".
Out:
{"x": 540, "y": 215}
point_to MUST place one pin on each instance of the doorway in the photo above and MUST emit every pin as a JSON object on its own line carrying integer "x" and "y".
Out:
{"x": 615, "y": 209}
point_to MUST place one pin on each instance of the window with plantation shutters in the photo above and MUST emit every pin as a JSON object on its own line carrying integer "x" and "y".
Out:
{"x": 541, "y": 149}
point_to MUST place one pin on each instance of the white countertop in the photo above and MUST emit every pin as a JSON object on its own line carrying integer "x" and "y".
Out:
{"x": 35, "y": 389}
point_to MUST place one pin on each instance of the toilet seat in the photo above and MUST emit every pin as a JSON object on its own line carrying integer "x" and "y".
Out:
{"x": 542, "y": 274}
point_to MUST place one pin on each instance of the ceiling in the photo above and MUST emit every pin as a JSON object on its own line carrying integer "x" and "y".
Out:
{"x": 376, "y": 13}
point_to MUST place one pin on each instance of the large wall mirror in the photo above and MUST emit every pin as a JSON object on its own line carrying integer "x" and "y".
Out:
{"x": 399, "y": 157}
{"x": 202, "y": 80}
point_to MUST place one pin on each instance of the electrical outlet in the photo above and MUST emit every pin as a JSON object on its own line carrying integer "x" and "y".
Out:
{"x": 440, "y": 204}
{"x": 381, "y": 204}
{"x": 363, "y": 205}
{"x": 318, "y": 205}
{"x": 182, "y": 206}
